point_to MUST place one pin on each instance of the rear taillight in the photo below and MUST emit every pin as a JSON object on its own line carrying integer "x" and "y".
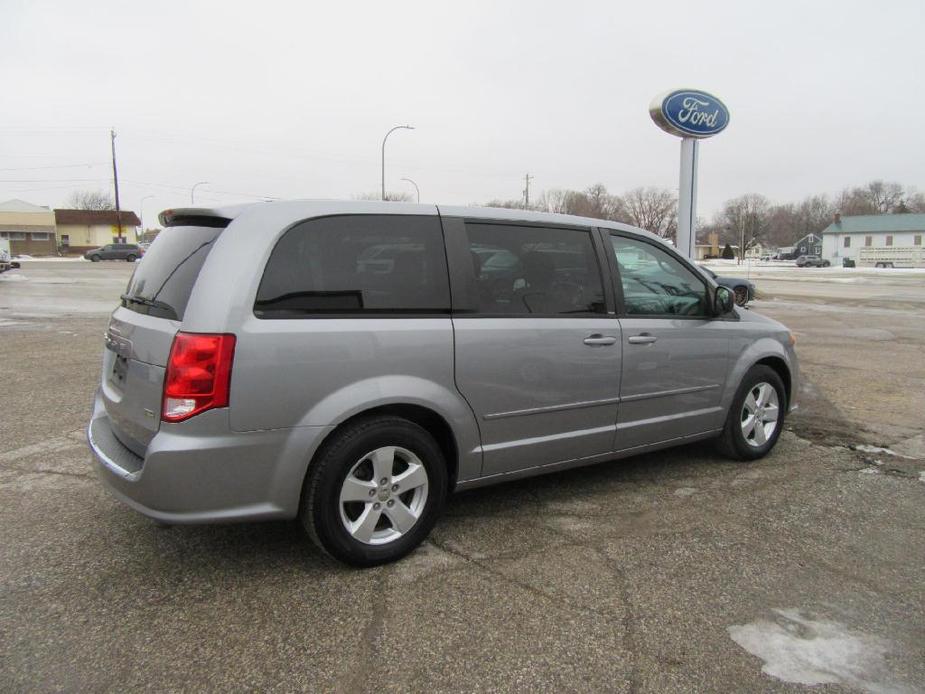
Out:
{"x": 198, "y": 375}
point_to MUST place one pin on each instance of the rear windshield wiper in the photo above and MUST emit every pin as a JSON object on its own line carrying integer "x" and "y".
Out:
{"x": 150, "y": 303}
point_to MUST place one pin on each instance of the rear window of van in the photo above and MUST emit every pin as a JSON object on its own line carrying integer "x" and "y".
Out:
{"x": 163, "y": 280}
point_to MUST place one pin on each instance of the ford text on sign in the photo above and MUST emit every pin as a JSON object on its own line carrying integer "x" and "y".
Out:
{"x": 689, "y": 113}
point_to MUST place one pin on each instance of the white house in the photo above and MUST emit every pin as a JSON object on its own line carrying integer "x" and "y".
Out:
{"x": 846, "y": 236}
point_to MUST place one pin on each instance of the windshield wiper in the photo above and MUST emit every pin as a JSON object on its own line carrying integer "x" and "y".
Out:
{"x": 150, "y": 303}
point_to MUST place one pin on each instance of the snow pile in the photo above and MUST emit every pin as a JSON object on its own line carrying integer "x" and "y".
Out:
{"x": 801, "y": 650}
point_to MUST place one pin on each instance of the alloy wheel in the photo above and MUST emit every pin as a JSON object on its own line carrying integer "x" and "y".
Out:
{"x": 383, "y": 495}
{"x": 760, "y": 413}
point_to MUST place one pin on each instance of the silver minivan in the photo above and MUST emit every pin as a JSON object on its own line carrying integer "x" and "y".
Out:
{"x": 350, "y": 364}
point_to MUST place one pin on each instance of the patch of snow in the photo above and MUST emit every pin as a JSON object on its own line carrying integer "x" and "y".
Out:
{"x": 12, "y": 276}
{"x": 51, "y": 259}
{"x": 864, "y": 448}
{"x": 870, "y": 470}
{"x": 798, "y": 649}
{"x": 922, "y": 476}
{"x": 685, "y": 491}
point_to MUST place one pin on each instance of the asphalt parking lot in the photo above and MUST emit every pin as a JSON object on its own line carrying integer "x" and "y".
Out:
{"x": 676, "y": 571}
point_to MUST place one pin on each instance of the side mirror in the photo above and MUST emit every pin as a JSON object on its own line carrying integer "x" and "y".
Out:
{"x": 723, "y": 301}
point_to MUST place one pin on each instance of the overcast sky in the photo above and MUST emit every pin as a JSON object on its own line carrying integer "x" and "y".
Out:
{"x": 292, "y": 99}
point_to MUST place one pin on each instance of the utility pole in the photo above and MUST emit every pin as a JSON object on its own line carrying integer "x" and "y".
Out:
{"x": 527, "y": 178}
{"x": 115, "y": 180}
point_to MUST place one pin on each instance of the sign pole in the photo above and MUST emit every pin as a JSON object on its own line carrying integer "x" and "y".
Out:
{"x": 687, "y": 199}
{"x": 692, "y": 115}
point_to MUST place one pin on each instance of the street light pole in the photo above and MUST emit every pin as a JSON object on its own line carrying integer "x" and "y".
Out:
{"x": 192, "y": 191}
{"x": 397, "y": 127}
{"x": 417, "y": 190}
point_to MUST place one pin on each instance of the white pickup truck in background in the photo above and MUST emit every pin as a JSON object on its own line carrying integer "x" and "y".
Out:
{"x": 892, "y": 256}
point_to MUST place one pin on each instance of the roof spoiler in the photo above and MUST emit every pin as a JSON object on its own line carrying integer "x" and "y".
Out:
{"x": 194, "y": 217}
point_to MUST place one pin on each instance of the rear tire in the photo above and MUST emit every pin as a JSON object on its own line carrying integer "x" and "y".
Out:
{"x": 756, "y": 416}
{"x": 741, "y": 295}
{"x": 374, "y": 491}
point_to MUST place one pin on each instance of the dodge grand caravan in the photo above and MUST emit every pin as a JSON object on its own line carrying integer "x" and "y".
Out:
{"x": 350, "y": 364}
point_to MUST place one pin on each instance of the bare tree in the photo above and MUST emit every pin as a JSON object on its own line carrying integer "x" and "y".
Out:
{"x": 915, "y": 202}
{"x": 877, "y": 197}
{"x": 389, "y": 197}
{"x": 563, "y": 201}
{"x": 748, "y": 218}
{"x": 653, "y": 209}
{"x": 90, "y": 200}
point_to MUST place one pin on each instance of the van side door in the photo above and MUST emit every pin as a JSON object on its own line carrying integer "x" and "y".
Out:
{"x": 537, "y": 353}
{"x": 675, "y": 353}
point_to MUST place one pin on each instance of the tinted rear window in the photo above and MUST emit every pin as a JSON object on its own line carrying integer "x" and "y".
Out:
{"x": 163, "y": 281}
{"x": 356, "y": 264}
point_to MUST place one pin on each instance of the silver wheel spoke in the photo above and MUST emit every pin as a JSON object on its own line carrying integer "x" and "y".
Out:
{"x": 362, "y": 528}
{"x": 750, "y": 403}
{"x": 383, "y": 459}
{"x": 770, "y": 413}
{"x": 401, "y": 516}
{"x": 412, "y": 478}
{"x": 749, "y": 425}
{"x": 355, "y": 489}
{"x": 760, "y": 437}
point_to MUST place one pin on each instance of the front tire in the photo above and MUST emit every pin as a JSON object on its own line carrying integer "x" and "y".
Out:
{"x": 130, "y": 259}
{"x": 94, "y": 258}
{"x": 374, "y": 491}
{"x": 756, "y": 416}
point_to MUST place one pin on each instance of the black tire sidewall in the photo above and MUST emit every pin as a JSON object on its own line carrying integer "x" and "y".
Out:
{"x": 321, "y": 507}
{"x": 757, "y": 374}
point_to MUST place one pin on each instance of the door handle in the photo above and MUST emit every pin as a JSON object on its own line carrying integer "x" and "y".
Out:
{"x": 600, "y": 340}
{"x": 643, "y": 339}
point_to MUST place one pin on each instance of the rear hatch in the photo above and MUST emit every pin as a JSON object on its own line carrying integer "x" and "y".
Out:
{"x": 142, "y": 328}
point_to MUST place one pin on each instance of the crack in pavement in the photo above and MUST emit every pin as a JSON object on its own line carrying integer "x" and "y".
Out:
{"x": 361, "y": 672}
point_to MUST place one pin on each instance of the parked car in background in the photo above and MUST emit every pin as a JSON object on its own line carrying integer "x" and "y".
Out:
{"x": 812, "y": 261}
{"x": 115, "y": 251}
{"x": 350, "y": 364}
{"x": 742, "y": 289}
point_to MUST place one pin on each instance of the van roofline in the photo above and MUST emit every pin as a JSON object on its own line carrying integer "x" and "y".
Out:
{"x": 308, "y": 207}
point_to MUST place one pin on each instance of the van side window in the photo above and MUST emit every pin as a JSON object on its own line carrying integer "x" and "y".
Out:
{"x": 655, "y": 283}
{"x": 356, "y": 264}
{"x": 528, "y": 270}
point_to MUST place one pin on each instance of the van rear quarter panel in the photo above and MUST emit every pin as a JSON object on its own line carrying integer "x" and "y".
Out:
{"x": 320, "y": 371}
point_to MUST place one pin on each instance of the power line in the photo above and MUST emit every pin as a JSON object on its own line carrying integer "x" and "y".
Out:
{"x": 51, "y": 180}
{"x": 58, "y": 166}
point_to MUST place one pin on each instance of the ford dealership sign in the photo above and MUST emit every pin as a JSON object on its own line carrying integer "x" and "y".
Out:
{"x": 689, "y": 113}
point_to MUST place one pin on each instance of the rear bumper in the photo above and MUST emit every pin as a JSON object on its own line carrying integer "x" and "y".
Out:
{"x": 200, "y": 471}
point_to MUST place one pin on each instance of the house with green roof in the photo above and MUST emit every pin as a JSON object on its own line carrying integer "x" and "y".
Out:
{"x": 846, "y": 236}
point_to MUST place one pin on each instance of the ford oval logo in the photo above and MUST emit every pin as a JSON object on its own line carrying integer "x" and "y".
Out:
{"x": 689, "y": 113}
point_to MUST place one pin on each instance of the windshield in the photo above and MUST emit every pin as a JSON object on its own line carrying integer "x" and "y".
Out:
{"x": 163, "y": 281}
